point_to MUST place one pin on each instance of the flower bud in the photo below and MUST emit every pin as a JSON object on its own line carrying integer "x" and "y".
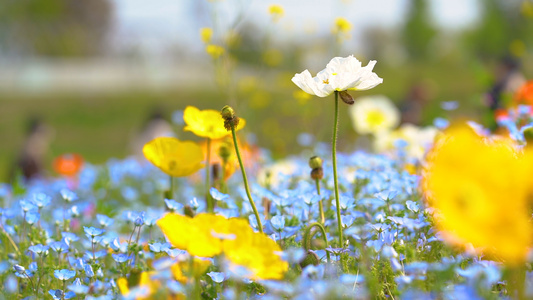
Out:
{"x": 227, "y": 112}
{"x": 230, "y": 119}
{"x": 528, "y": 136}
{"x": 310, "y": 259}
{"x": 224, "y": 151}
{"x": 188, "y": 211}
{"x": 346, "y": 98}
{"x": 317, "y": 174}
{"x": 315, "y": 162}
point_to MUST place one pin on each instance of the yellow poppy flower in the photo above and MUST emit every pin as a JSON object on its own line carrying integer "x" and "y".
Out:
{"x": 174, "y": 157}
{"x": 207, "y": 123}
{"x": 480, "y": 190}
{"x": 209, "y": 235}
{"x": 194, "y": 234}
{"x": 144, "y": 282}
{"x": 255, "y": 251}
{"x": 181, "y": 270}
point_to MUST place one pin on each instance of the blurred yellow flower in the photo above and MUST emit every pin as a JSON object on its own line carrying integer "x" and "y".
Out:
{"x": 174, "y": 157}
{"x": 215, "y": 51}
{"x": 208, "y": 235}
{"x": 206, "y": 34}
{"x": 194, "y": 234}
{"x": 480, "y": 191}
{"x": 341, "y": 26}
{"x": 148, "y": 285}
{"x": 207, "y": 123}
{"x": 181, "y": 270}
{"x": 373, "y": 114}
{"x": 276, "y": 11}
{"x": 301, "y": 96}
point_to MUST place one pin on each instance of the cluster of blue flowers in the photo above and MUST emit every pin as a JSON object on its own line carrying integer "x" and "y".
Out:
{"x": 75, "y": 239}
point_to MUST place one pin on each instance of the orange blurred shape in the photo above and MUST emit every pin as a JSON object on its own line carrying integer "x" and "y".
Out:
{"x": 525, "y": 94}
{"x": 68, "y": 164}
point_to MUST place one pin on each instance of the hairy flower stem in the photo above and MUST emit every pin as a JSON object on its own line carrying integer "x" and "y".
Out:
{"x": 208, "y": 199}
{"x": 335, "y": 180}
{"x": 308, "y": 235}
{"x": 259, "y": 225}
{"x": 320, "y": 203}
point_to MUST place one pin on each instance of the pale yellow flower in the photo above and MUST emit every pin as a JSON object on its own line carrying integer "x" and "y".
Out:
{"x": 215, "y": 51}
{"x": 373, "y": 114}
{"x": 276, "y": 11}
{"x": 206, "y": 34}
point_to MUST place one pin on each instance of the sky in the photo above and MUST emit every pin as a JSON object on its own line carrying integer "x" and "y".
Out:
{"x": 156, "y": 25}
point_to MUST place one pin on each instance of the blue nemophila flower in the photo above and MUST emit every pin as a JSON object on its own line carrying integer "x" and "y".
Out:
{"x": 27, "y": 205}
{"x": 74, "y": 211}
{"x": 64, "y": 274}
{"x": 69, "y": 237}
{"x": 60, "y": 246}
{"x": 139, "y": 221}
{"x": 173, "y": 205}
{"x": 159, "y": 247}
{"x": 41, "y": 200}
{"x": 89, "y": 270}
{"x": 68, "y": 195}
{"x": 91, "y": 232}
{"x": 217, "y": 277}
{"x": 89, "y": 255}
{"x": 293, "y": 255}
{"x": 441, "y": 123}
{"x": 104, "y": 220}
{"x": 120, "y": 258}
{"x": 412, "y": 206}
{"x": 58, "y": 294}
{"x": 32, "y": 217}
{"x": 78, "y": 288}
{"x": 218, "y": 195}
{"x": 278, "y": 222}
{"x": 38, "y": 249}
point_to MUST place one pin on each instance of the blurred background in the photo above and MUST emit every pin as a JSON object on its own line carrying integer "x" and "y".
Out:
{"x": 87, "y": 76}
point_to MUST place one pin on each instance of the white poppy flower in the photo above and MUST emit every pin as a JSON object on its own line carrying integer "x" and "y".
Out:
{"x": 373, "y": 114}
{"x": 340, "y": 74}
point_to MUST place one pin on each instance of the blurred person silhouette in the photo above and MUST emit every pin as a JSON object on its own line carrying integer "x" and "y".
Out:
{"x": 413, "y": 104}
{"x": 508, "y": 79}
{"x": 156, "y": 125}
{"x": 31, "y": 158}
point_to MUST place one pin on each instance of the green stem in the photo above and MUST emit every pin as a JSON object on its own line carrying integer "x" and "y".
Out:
{"x": 320, "y": 205}
{"x": 259, "y": 225}
{"x": 308, "y": 236}
{"x": 334, "y": 159}
{"x": 208, "y": 199}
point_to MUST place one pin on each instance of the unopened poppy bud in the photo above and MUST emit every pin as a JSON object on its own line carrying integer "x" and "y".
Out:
{"x": 310, "y": 259}
{"x": 528, "y": 136}
{"x": 230, "y": 119}
{"x": 227, "y": 112}
{"x": 315, "y": 162}
{"x": 188, "y": 211}
{"x": 317, "y": 173}
{"x": 346, "y": 98}
{"x": 224, "y": 151}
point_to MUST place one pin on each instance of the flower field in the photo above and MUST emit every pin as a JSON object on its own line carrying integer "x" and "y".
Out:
{"x": 441, "y": 211}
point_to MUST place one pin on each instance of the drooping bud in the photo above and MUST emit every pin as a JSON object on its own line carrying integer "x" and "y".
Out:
{"x": 317, "y": 173}
{"x": 346, "y": 98}
{"x": 188, "y": 211}
{"x": 230, "y": 119}
{"x": 310, "y": 259}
